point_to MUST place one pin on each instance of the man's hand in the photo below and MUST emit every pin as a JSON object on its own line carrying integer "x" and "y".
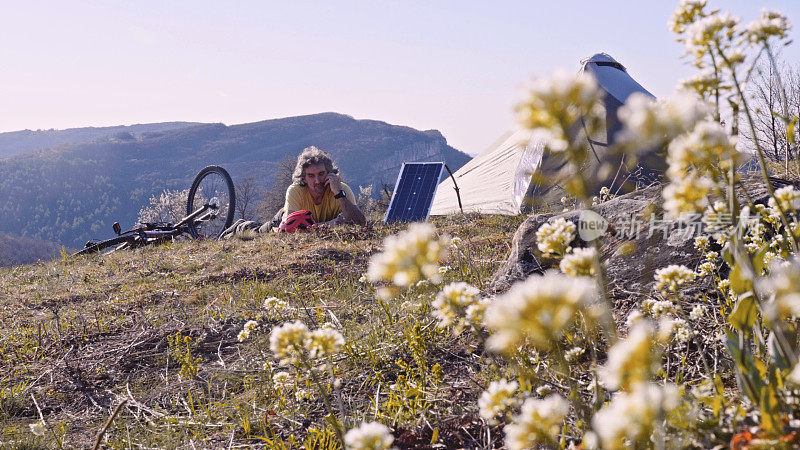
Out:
{"x": 335, "y": 183}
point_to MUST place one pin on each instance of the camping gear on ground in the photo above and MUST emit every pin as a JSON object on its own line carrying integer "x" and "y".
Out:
{"x": 518, "y": 173}
{"x": 414, "y": 192}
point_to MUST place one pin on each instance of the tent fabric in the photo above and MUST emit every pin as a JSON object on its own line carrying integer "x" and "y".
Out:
{"x": 518, "y": 173}
{"x": 494, "y": 182}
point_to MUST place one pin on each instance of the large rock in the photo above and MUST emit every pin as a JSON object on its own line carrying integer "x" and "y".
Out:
{"x": 633, "y": 247}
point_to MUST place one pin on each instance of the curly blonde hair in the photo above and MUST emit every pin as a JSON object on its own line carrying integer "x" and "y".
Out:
{"x": 312, "y": 156}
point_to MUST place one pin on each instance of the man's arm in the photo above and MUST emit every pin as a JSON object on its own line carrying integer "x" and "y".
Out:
{"x": 350, "y": 212}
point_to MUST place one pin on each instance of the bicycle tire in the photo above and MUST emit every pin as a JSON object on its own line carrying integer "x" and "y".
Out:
{"x": 194, "y": 201}
{"x": 102, "y": 245}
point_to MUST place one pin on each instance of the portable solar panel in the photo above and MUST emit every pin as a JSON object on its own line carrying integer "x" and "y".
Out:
{"x": 414, "y": 191}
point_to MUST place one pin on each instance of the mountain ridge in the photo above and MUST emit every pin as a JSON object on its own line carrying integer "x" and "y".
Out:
{"x": 73, "y": 192}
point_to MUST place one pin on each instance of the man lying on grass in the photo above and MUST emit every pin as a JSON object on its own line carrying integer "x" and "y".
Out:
{"x": 317, "y": 189}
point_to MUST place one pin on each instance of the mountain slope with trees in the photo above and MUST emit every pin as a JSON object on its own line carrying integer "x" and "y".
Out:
{"x": 73, "y": 193}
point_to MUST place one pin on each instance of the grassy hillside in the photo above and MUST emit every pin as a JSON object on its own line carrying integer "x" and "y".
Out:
{"x": 157, "y": 328}
{"x": 14, "y": 250}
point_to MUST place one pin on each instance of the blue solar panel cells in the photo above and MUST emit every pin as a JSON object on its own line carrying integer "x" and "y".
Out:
{"x": 413, "y": 192}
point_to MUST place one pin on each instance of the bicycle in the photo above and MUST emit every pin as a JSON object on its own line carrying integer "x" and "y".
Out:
{"x": 205, "y": 219}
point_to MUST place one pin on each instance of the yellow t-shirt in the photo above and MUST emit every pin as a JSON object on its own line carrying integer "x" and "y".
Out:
{"x": 299, "y": 198}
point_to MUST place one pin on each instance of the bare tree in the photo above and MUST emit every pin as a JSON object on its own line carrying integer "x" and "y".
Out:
{"x": 766, "y": 109}
{"x": 273, "y": 198}
{"x": 247, "y": 193}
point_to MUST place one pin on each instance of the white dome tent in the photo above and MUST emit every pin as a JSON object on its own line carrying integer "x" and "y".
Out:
{"x": 500, "y": 179}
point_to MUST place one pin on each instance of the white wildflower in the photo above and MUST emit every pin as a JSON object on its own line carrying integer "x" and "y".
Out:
{"x": 553, "y": 238}
{"x": 703, "y": 83}
{"x": 782, "y": 287}
{"x": 324, "y": 342}
{"x": 288, "y": 340}
{"x": 649, "y": 123}
{"x": 629, "y": 419}
{"x": 409, "y": 257}
{"x": 661, "y": 308}
{"x": 673, "y": 277}
{"x": 687, "y": 12}
{"x": 554, "y": 103}
{"x": 581, "y": 262}
{"x": 687, "y": 195}
{"x": 681, "y": 330}
{"x": 788, "y": 199}
{"x": 544, "y": 390}
{"x": 573, "y": 354}
{"x": 498, "y": 400}
{"x": 276, "y": 305}
{"x": 455, "y": 242}
{"x": 631, "y": 360}
{"x": 770, "y": 24}
{"x": 634, "y": 316}
{"x": 701, "y": 243}
{"x": 538, "y": 421}
{"x": 707, "y": 31}
{"x": 539, "y": 309}
{"x": 369, "y": 436}
{"x": 282, "y": 380}
{"x": 444, "y": 269}
{"x": 38, "y": 428}
{"x": 698, "y": 312}
{"x": 705, "y": 269}
{"x": 707, "y": 147}
{"x": 476, "y": 313}
{"x": 451, "y": 304}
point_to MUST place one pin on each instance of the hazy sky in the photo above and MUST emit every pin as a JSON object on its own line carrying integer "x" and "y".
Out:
{"x": 456, "y": 66}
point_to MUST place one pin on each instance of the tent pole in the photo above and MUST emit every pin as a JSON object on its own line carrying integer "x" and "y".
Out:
{"x": 455, "y": 186}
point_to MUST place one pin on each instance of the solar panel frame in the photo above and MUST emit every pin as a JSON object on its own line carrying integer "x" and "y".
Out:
{"x": 393, "y": 203}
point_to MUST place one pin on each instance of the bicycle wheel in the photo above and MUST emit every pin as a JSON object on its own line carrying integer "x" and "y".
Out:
{"x": 212, "y": 182}
{"x": 109, "y": 245}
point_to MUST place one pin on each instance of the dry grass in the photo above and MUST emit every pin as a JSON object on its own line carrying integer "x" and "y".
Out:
{"x": 82, "y": 334}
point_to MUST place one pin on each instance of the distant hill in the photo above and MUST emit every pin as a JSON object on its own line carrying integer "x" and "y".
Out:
{"x": 16, "y": 142}
{"x": 74, "y": 192}
{"x": 15, "y": 251}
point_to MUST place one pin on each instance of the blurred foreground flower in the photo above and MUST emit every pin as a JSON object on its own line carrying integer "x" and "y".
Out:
{"x": 631, "y": 360}
{"x": 580, "y": 263}
{"x": 629, "y": 419}
{"x": 538, "y": 422}
{"x": 650, "y": 123}
{"x": 369, "y": 436}
{"x": 498, "y": 400}
{"x": 770, "y": 24}
{"x": 539, "y": 309}
{"x": 555, "y": 103}
{"x": 324, "y": 342}
{"x": 287, "y": 341}
{"x": 782, "y": 289}
{"x": 409, "y": 257}
{"x": 451, "y": 305}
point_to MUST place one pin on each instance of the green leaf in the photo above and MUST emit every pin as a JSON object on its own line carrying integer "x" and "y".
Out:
{"x": 790, "y": 130}
{"x": 435, "y": 436}
{"x": 744, "y": 314}
{"x": 740, "y": 281}
{"x": 758, "y": 260}
{"x": 770, "y": 410}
